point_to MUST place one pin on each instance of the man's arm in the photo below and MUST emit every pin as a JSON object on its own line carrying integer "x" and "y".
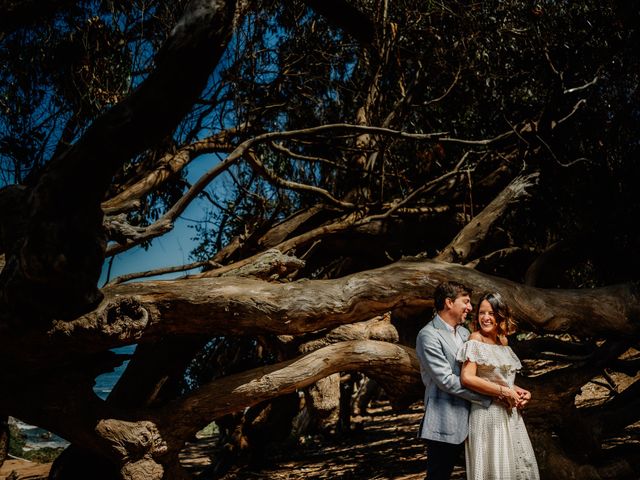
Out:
{"x": 433, "y": 360}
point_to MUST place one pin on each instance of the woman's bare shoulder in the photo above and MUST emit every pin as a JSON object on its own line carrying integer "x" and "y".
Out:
{"x": 475, "y": 336}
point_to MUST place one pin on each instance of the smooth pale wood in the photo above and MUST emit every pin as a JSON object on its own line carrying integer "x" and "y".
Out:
{"x": 244, "y": 306}
{"x": 24, "y": 470}
{"x": 393, "y": 366}
{"x": 472, "y": 237}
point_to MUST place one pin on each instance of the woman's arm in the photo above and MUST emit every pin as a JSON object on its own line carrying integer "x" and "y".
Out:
{"x": 523, "y": 395}
{"x": 434, "y": 362}
{"x": 470, "y": 379}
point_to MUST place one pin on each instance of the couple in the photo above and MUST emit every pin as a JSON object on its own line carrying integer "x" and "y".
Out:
{"x": 470, "y": 392}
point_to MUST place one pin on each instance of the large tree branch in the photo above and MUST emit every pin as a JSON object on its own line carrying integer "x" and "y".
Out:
{"x": 242, "y": 306}
{"x": 622, "y": 410}
{"x": 342, "y": 224}
{"x": 62, "y": 253}
{"x": 161, "y": 271}
{"x": 169, "y": 165}
{"x": 556, "y": 390}
{"x": 470, "y": 239}
{"x": 393, "y": 366}
{"x": 131, "y": 237}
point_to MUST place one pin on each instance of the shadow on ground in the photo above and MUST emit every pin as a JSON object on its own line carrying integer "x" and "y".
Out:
{"x": 381, "y": 445}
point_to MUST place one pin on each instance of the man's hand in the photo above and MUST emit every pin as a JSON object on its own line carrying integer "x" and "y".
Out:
{"x": 523, "y": 397}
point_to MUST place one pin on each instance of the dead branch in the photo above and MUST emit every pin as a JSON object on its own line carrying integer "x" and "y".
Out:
{"x": 162, "y": 271}
{"x": 470, "y": 239}
{"x": 290, "y": 185}
{"x": 389, "y": 364}
{"x": 243, "y": 306}
{"x": 165, "y": 223}
{"x": 166, "y": 167}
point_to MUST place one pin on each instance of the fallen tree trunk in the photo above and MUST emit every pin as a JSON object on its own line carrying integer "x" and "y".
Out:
{"x": 391, "y": 365}
{"x": 242, "y": 306}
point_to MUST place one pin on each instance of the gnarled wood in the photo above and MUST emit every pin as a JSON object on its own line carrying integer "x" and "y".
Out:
{"x": 391, "y": 365}
{"x": 241, "y": 305}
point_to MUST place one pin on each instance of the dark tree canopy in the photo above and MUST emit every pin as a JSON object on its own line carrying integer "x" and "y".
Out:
{"x": 358, "y": 152}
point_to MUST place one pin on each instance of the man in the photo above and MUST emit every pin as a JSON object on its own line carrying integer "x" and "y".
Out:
{"x": 445, "y": 424}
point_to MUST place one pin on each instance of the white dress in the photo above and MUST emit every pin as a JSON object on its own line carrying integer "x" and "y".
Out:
{"x": 498, "y": 446}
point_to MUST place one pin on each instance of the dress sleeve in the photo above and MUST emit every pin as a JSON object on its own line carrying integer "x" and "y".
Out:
{"x": 497, "y": 356}
{"x": 473, "y": 351}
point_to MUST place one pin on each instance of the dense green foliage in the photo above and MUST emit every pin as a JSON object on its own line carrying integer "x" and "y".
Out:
{"x": 17, "y": 443}
{"x": 562, "y": 75}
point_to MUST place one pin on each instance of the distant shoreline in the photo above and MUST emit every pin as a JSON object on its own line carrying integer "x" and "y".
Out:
{"x": 37, "y": 438}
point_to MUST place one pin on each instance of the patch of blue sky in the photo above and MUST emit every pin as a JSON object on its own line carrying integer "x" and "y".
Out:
{"x": 175, "y": 247}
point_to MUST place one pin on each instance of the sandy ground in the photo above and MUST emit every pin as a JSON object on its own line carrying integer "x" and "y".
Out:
{"x": 382, "y": 445}
{"x": 24, "y": 469}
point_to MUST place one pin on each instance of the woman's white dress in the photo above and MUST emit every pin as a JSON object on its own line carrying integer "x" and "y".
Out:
{"x": 498, "y": 446}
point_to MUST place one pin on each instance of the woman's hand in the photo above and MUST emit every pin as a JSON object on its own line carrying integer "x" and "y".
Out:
{"x": 509, "y": 397}
{"x": 523, "y": 396}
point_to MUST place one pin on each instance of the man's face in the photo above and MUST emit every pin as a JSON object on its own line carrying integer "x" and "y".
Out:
{"x": 460, "y": 307}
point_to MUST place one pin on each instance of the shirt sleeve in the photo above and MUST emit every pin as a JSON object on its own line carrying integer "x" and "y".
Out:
{"x": 433, "y": 360}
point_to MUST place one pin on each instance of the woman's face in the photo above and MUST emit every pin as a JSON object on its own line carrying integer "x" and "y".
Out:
{"x": 487, "y": 320}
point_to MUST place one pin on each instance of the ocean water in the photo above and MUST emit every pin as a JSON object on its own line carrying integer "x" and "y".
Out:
{"x": 37, "y": 437}
{"x": 105, "y": 382}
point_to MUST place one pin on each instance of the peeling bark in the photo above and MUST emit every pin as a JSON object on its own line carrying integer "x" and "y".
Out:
{"x": 388, "y": 364}
{"x": 246, "y": 306}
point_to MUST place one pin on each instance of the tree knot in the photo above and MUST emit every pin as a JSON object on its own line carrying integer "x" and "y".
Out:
{"x": 137, "y": 445}
{"x": 132, "y": 441}
{"x": 125, "y": 319}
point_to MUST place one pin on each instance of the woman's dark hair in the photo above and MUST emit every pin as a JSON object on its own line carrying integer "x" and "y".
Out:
{"x": 502, "y": 313}
{"x": 450, "y": 290}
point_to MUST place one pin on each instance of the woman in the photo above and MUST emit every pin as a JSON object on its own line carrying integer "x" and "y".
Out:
{"x": 498, "y": 446}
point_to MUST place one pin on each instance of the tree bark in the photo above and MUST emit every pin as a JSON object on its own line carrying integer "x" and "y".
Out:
{"x": 4, "y": 438}
{"x": 389, "y": 364}
{"x": 61, "y": 254}
{"x": 472, "y": 237}
{"x": 146, "y": 311}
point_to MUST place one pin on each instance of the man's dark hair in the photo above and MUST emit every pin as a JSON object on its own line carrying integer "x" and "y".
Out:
{"x": 450, "y": 290}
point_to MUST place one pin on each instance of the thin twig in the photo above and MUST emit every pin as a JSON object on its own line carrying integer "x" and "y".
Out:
{"x": 282, "y": 149}
{"x": 409, "y": 197}
{"x": 448, "y": 91}
{"x": 299, "y": 187}
{"x": 162, "y": 271}
{"x": 586, "y": 85}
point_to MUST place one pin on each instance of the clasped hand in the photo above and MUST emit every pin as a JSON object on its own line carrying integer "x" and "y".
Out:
{"x": 515, "y": 397}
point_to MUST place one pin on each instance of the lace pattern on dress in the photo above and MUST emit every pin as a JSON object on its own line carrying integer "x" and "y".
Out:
{"x": 486, "y": 354}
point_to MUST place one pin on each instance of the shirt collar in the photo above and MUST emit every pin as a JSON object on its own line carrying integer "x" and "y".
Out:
{"x": 449, "y": 327}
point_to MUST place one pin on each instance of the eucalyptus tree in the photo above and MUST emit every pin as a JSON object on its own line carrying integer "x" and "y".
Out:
{"x": 361, "y": 152}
